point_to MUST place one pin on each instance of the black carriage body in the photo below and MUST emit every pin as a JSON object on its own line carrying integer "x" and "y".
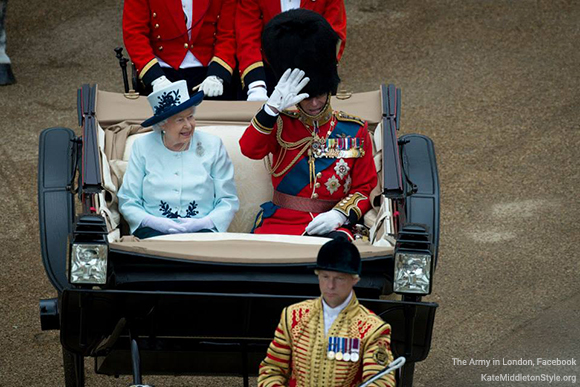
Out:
{"x": 200, "y": 317}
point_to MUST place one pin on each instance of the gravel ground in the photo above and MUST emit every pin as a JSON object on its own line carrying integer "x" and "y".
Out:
{"x": 494, "y": 83}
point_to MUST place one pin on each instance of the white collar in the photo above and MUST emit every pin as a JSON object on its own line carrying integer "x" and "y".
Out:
{"x": 335, "y": 311}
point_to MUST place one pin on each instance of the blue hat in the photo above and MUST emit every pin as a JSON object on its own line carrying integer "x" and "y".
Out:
{"x": 169, "y": 101}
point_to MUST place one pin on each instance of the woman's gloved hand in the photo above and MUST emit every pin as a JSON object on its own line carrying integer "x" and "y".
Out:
{"x": 286, "y": 92}
{"x": 196, "y": 224}
{"x": 160, "y": 83}
{"x": 164, "y": 225}
{"x": 212, "y": 86}
{"x": 325, "y": 223}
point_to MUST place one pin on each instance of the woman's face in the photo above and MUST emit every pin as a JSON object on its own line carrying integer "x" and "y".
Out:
{"x": 179, "y": 128}
{"x": 313, "y": 106}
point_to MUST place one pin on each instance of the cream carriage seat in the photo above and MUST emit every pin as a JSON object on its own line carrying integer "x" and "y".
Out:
{"x": 253, "y": 182}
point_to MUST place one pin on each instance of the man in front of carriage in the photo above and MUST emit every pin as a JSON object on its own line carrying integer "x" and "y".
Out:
{"x": 171, "y": 40}
{"x": 320, "y": 159}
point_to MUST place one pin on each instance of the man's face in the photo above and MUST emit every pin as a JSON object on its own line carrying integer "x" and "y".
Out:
{"x": 180, "y": 127}
{"x": 314, "y": 105}
{"x": 335, "y": 287}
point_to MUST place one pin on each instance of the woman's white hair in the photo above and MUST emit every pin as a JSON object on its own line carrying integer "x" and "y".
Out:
{"x": 158, "y": 126}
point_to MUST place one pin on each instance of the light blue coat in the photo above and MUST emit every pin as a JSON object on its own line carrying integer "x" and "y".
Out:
{"x": 189, "y": 184}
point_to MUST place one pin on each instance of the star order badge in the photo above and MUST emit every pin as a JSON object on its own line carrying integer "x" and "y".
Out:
{"x": 347, "y": 184}
{"x": 341, "y": 168}
{"x": 332, "y": 184}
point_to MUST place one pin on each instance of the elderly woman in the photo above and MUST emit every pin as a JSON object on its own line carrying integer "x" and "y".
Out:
{"x": 178, "y": 180}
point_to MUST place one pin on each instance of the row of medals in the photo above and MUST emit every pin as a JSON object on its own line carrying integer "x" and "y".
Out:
{"x": 343, "y": 348}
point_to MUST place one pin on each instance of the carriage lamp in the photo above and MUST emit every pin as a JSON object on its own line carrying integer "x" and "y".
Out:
{"x": 88, "y": 263}
{"x": 412, "y": 273}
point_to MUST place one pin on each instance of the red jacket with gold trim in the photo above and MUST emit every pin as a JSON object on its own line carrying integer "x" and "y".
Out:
{"x": 345, "y": 178}
{"x": 298, "y": 354}
{"x": 156, "y": 29}
{"x": 253, "y": 15}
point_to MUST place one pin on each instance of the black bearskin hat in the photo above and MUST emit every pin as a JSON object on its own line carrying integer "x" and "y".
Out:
{"x": 303, "y": 39}
{"x": 339, "y": 255}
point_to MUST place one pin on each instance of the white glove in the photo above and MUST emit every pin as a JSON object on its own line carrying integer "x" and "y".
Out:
{"x": 326, "y": 223}
{"x": 257, "y": 93}
{"x": 196, "y": 224}
{"x": 212, "y": 86}
{"x": 163, "y": 225}
{"x": 286, "y": 92}
{"x": 160, "y": 83}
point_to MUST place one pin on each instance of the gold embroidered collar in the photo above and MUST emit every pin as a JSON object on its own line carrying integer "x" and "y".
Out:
{"x": 323, "y": 117}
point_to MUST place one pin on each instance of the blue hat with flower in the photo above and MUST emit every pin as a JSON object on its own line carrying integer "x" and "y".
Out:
{"x": 169, "y": 101}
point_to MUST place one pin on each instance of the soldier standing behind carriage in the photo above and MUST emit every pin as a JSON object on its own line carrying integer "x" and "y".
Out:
{"x": 171, "y": 40}
{"x": 322, "y": 167}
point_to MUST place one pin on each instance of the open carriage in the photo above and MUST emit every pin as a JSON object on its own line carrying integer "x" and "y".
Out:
{"x": 208, "y": 304}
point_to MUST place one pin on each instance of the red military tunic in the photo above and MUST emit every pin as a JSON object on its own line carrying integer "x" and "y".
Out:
{"x": 298, "y": 355}
{"x": 253, "y": 15}
{"x": 157, "y": 29}
{"x": 342, "y": 181}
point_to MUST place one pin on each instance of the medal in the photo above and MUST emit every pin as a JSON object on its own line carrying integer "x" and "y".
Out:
{"x": 347, "y": 350}
{"x": 355, "y": 350}
{"x": 339, "y": 354}
{"x": 330, "y": 353}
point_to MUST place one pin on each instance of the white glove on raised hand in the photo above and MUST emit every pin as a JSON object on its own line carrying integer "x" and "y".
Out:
{"x": 286, "y": 92}
{"x": 326, "y": 223}
{"x": 160, "y": 83}
{"x": 163, "y": 225}
{"x": 196, "y": 224}
{"x": 212, "y": 86}
{"x": 257, "y": 93}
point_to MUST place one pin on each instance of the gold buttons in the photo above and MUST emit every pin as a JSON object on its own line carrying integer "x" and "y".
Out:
{"x": 317, "y": 185}
{"x": 154, "y": 14}
{"x": 158, "y": 37}
{"x": 315, "y": 196}
{"x": 186, "y": 45}
{"x": 319, "y": 175}
{"x": 160, "y": 48}
{"x": 156, "y": 25}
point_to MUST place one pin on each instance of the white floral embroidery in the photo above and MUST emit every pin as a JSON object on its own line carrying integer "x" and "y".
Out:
{"x": 332, "y": 185}
{"x": 341, "y": 168}
{"x": 347, "y": 184}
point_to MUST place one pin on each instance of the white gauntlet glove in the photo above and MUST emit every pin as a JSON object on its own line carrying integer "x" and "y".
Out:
{"x": 286, "y": 92}
{"x": 196, "y": 224}
{"x": 160, "y": 83}
{"x": 164, "y": 225}
{"x": 257, "y": 91}
{"x": 212, "y": 86}
{"x": 325, "y": 223}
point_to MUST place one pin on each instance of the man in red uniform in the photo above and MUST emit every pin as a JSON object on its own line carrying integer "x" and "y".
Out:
{"x": 170, "y": 40}
{"x": 253, "y": 15}
{"x": 322, "y": 167}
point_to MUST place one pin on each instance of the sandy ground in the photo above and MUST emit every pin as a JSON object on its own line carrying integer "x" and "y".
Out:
{"x": 494, "y": 83}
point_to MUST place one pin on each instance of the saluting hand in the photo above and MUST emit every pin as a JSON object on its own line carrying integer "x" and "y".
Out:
{"x": 286, "y": 92}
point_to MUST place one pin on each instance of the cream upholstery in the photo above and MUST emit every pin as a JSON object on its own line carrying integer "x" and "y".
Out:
{"x": 253, "y": 185}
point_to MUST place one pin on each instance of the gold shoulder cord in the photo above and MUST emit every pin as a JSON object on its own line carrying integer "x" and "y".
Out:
{"x": 305, "y": 143}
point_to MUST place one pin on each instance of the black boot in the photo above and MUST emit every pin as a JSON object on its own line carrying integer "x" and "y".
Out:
{"x": 6, "y": 74}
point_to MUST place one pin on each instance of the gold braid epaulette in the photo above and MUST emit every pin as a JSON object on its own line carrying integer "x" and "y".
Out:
{"x": 342, "y": 116}
{"x": 350, "y": 203}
